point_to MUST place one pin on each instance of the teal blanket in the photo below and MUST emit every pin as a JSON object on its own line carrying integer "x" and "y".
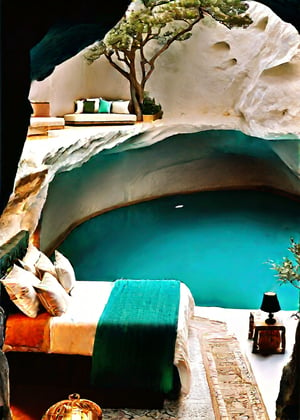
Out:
{"x": 135, "y": 337}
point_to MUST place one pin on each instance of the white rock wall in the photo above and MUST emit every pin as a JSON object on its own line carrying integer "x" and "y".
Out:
{"x": 238, "y": 79}
{"x": 181, "y": 165}
{"x": 252, "y": 75}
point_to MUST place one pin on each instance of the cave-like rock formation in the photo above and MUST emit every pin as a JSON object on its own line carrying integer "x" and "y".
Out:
{"x": 51, "y": 34}
{"x": 220, "y": 79}
{"x": 239, "y": 80}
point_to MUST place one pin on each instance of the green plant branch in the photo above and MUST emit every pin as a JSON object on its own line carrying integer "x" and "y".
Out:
{"x": 289, "y": 270}
{"x": 116, "y": 66}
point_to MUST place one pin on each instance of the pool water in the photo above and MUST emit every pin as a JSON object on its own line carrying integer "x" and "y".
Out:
{"x": 217, "y": 243}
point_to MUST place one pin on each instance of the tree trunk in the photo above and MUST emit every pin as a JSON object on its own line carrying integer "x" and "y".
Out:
{"x": 135, "y": 103}
{"x": 136, "y": 93}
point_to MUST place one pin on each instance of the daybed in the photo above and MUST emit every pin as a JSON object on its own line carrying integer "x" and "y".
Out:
{"x": 99, "y": 111}
{"x": 99, "y": 119}
{"x": 73, "y": 332}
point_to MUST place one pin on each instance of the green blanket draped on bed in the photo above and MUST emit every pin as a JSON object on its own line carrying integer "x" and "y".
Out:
{"x": 135, "y": 337}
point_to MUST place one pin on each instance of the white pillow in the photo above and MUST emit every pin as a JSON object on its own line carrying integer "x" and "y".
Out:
{"x": 120, "y": 107}
{"x": 52, "y": 295}
{"x": 79, "y": 106}
{"x": 64, "y": 271}
{"x": 30, "y": 259}
{"x": 19, "y": 284}
{"x": 44, "y": 264}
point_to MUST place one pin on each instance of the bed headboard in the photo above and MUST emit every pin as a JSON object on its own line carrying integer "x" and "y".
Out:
{"x": 15, "y": 248}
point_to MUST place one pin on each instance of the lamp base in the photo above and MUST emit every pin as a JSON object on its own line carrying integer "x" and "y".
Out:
{"x": 271, "y": 320}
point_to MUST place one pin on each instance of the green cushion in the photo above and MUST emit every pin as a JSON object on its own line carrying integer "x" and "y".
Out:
{"x": 89, "y": 107}
{"x": 105, "y": 106}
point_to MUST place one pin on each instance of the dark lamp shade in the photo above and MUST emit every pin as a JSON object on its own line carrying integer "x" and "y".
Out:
{"x": 270, "y": 302}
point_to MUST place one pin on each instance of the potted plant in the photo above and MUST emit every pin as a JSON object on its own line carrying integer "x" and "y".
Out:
{"x": 150, "y": 109}
{"x": 288, "y": 272}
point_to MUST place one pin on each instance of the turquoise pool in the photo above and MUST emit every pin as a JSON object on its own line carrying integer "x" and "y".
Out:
{"x": 215, "y": 242}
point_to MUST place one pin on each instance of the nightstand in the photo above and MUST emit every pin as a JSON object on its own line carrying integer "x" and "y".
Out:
{"x": 267, "y": 339}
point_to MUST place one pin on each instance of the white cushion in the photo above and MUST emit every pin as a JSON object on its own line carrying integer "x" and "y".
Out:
{"x": 30, "y": 259}
{"x": 51, "y": 122}
{"x": 98, "y": 118}
{"x": 79, "y": 106}
{"x": 64, "y": 271}
{"x": 120, "y": 107}
{"x": 44, "y": 264}
{"x": 19, "y": 285}
{"x": 52, "y": 295}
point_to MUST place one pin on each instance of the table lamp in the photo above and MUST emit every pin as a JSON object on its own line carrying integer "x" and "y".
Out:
{"x": 270, "y": 304}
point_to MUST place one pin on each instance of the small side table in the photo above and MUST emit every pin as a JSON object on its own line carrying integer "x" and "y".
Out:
{"x": 267, "y": 339}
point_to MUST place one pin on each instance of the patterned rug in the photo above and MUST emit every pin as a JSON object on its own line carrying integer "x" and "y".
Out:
{"x": 233, "y": 388}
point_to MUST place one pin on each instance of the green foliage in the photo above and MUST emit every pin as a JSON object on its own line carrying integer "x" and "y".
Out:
{"x": 289, "y": 270}
{"x": 228, "y": 12}
{"x": 165, "y": 21}
{"x": 149, "y": 107}
{"x": 149, "y": 27}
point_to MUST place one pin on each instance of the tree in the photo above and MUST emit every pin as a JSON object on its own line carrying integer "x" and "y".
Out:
{"x": 149, "y": 27}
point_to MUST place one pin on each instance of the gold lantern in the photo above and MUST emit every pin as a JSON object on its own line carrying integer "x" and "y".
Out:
{"x": 74, "y": 408}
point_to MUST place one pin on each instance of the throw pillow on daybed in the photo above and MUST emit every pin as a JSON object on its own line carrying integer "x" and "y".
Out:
{"x": 52, "y": 295}
{"x": 89, "y": 107}
{"x": 19, "y": 284}
{"x": 64, "y": 271}
{"x": 95, "y": 105}
{"x": 120, "y": 107}
{"x": 104, "y": 107}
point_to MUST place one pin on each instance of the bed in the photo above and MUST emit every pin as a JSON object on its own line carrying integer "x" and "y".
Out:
{"x": 73, "y": 332}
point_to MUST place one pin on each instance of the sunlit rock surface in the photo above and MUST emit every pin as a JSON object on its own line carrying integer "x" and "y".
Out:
{"x": 93, "y": 169}
{"x": 221, "y": 79}
{"x": 249, "y": 75}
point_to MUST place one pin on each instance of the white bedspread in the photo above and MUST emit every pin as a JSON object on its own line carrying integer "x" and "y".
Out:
{"x": 74, "y": 332}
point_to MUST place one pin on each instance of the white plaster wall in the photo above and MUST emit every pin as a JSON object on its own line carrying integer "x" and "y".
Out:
{"x": 75, "y": 79}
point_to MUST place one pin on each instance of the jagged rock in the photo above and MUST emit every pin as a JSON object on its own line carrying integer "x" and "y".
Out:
{"x": 288, "y": 401}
